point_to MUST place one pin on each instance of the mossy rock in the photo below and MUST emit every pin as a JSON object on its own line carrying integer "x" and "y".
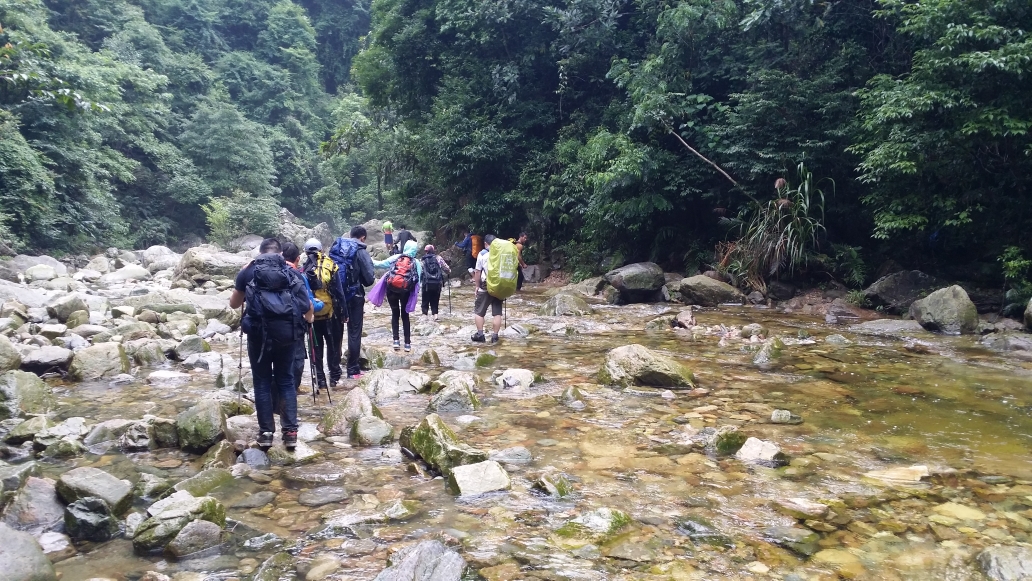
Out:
{"x": 438, "y": 445}
{"x": 636, "y": 365}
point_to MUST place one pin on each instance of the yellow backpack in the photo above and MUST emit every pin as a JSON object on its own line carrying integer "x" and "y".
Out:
{"x": 319, "y": 276}
{"x": 503, "y": 267}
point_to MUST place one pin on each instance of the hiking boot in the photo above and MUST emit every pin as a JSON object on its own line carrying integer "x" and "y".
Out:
{"x": 397, "y": 345}
{"x": 265, "y": 439}
{"x": 355, "y": 376}
{"x": 301, "y": 390}
{"x": 408, "y": 347}
{"x": 494, "y": 338}
{"x": 290, "y": 439}
{"x": 478, "y": 337}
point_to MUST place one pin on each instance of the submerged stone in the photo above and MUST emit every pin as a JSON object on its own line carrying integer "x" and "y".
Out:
{"x": 637, "y": 365}
{"x": 428, "y": 560}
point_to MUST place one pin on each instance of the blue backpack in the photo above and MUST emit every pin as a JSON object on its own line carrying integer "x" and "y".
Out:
{"x": 343, "y": 254}
{"x": 274, "y": 306}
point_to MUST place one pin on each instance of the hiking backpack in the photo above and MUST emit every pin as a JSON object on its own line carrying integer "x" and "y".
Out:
{"x": 342, "y": 253}
{"x": 320, "y": 270}
{"x": 403, "y": 276}
{"x": 433, "y": 274}
{"x": 503, "y": 267}
{"x": 272, "y": 299}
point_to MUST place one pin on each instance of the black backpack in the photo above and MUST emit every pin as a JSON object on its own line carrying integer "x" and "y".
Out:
{"x": 433, "y": 274}
{"x": 273, "y": 303}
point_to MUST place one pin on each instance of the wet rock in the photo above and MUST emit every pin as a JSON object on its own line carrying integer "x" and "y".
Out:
{"x": 67, "y": 447}
{"x": 171, "y": 515}
{"x": 438, "y": 445}
{"x": 127, "y": 272}
{"x": 138, "y": 437}
{"x": 1015, "y": 343}
{"x": 24, "y": 393}
{"x": 888, "y": 328}
{"x": 14, "y": 477}
{"x": 214, "y": 327}
{"x": 518, "y": 379}
{"x": 242, "y": 428}
{"x": 356, "y": 404}
{"x": 479, "y": 478}
{"x": 61, "y": 308}
{"x": 98, "y": 361}
{"x": 205, "y": 481}
{"x": 322, "y": 495}
{"x": 151, "y": 486}
{"x": 35, "y": 508}
{"x": 40, "y": 272}
{"x": 565, "y": 305}
{"x": 456, "y": 396}
{"x": 201, "y": 426}
{"x": 897, "y": 291}
{"x": 344, "y": 519}
{"x": 785, "y": 417}
{"x": 1003, "y": 563}
{"x": 801, "y": 508}
{"x": 514, "y": 455}
{"x": 23, "y": 558}
{"x": 168, "y": 378}
{"x": 756, "y": 451}
{"x": 555, "y": 485}
{"x": 203, "y": 263}
{"x": 384, "y": 385}
{"x": 232, "y": 402}
{"x": 317, "y": 474}
{"x": 276, "y": 567}
{"x": 196, "y": 536}
{"x": 263, "y": 542}
{"x": 426, "y": 561}
{"x": 90, "y": 519}
{"x": 191, "y": 345}
{"x": 959, "y": 512}
{"x": 84, "y": 482}
{"x": 26, "y": 431}
{"x": 843, "y": 562}
{"x": 837, "y": 340}
{"x": 256, "y": 500}
{"x": 707, "y": 292}
{"x": 254, "y": 458}
{"x": 769, "y": 351}
{"x": 10, "y": 358}
{"x": 636, "y": 365}
{"x": 637, "y": 283}
{"x": 221, "y": 455}
{"x": 947, "y": 310}
{"x": 322, "y": 566}
{"x": 47, "y": 358}
{"x": 372, "y": 431}
{"x": 798, "y": 539}
{"x": 56, "y": 546}
{"x": 898, "y": 475}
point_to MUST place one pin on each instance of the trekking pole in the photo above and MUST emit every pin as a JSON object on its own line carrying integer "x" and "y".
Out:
{"x": 311, "y": 362}
{"x": 332, "y": 348}
{"x": 448, "y": 280}
{"x": 239, "y": 385}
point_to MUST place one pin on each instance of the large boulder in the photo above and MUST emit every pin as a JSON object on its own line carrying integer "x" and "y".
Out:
{"x": 23, "y": 262}
{"x": 384, "y": 385}
{"x": 371, "y": 431}
{"x": 201, "y": 426}
{"x": 35, "y": 508}
{"x": 22, "y": 557}
{"x": 565, "y": 304}
{"x": 47, "y": 358}
{"x": 171, "y": 515}
{"x": 426, "y": 561}
{"x": 23, "y": 393}
{"x": 85, "y": 481}
{"x": 196, "y": 536}
{"x": 438, "y": 445}
{"x": 897, "y": 291}
{"x": 356, "y": 404}
{"x": 90, "y": 519}
{"x": 947, "y": 310}
{"x": 158, "y": 258}
{"x": 10, "y": 358}
{"x": 203, "y": 263}
{"x": 637, "y": 365}
{"x": 62, "y": 307}
{"x": 127, "y": 272}
{"x": 637, "y": 283}
{"x": 98, "y": 361}
{"x": 708, "y": 292}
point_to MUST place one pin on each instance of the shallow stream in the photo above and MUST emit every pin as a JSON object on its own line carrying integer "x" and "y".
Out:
{"x": 874, "y": 403}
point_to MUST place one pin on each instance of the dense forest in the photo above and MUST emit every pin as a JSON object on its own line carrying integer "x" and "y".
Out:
{"x": 763, "y": 138}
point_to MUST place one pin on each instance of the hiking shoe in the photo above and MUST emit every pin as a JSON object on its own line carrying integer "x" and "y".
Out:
{"x": 397, "y": 344}
{"x": 478, "y": 337}
{"x": 302, "y": 391}
{"x": 494, "y": 337}
{"x": 408, "y": 347}
{"x": 355, "y": 376}
{"x": 265, "y": 439}
{"x": 290, "y": 439}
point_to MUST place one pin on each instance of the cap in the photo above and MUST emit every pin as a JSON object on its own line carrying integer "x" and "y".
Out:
{"x": 429, "y": 248}
{"x": 313, "y": 244}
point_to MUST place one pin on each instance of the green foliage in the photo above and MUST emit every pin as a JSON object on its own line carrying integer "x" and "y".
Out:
{"x": 1017, "y": 271}
{"x": 239, "y": 214}
{"x": 857, "y": 298}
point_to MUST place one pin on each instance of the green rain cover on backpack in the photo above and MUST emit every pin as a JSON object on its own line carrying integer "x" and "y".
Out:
{"x": 502, "y": 269}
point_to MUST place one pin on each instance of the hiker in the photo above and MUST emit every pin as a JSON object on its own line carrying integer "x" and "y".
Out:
{"x": 520, "y": 243}
{"x": 435, "y": 274}
{"x": 402, "y": 279}
{"x": 278, "y": 308}
{"x": 388, "y": 235}
{"x": 477, "y": 242}
{"x": 402, "y": 239}
{"x": 351, "y": 256}
{"x": 466, "y": 246}
{"x": 483, "y": 298}
{"x": 324, "y": 276}
{"x": 292, "y": 256}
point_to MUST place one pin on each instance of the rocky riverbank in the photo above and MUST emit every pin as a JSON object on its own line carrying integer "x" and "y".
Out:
{"x": 801, "y": 440}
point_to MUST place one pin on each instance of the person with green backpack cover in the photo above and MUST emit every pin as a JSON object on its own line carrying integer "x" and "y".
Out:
{"x": 495, "y": 277}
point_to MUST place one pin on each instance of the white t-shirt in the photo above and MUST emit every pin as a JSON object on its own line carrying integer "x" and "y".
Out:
{"x": 482, "y": 267}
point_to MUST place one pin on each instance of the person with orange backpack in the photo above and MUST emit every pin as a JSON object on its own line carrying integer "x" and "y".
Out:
{"x": 402, "y": 279}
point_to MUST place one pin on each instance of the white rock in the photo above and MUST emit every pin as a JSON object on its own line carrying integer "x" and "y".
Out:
{"x": 168, "y": 378}
{"x": 757, "y": 451}
{"x": 479, "y": 478}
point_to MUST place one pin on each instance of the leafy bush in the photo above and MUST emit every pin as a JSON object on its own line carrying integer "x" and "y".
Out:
{"x": 1016, "y": 270}
{"x": 242, "y": 213}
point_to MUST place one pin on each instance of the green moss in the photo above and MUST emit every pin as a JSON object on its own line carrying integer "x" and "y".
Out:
{"x": 571, "y": 530}
{"x": 486, "y": 359}
{"x": 730, "y": 442}
{"x": 620, "y": 520}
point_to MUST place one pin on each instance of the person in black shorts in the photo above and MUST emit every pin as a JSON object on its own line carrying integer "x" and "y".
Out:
{"x": 484, "y": 300}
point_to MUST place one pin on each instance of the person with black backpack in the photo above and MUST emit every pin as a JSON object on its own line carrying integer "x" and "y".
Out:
{"x": 402, "y": 278}
{"x": 277, "y": 314}
{"x": 326, "y": 280}
{"x": 351, "y": 256}
{"x": 435, "y": 275}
